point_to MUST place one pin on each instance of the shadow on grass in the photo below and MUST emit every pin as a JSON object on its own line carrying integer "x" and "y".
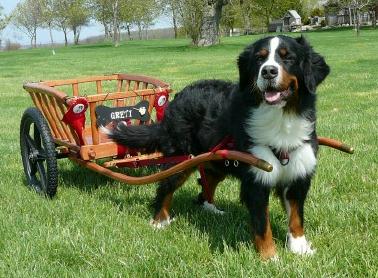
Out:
{"x": 229, "y": 230}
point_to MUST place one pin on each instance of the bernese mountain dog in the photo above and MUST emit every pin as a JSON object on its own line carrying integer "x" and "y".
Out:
{"x": 270, "y": 113}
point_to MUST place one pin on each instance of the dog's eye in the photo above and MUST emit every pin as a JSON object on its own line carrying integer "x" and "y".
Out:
{"x": 260, "y": 59}
{"x": 288, "y": 58}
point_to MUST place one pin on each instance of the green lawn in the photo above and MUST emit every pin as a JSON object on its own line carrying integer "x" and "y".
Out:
{"x": 98, "y": 227}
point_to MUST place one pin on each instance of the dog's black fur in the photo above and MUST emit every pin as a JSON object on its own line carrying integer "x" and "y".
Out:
{"x": 203, "y": 113}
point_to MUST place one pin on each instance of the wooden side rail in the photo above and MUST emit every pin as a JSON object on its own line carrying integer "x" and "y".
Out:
{"x": 55, "y": 83}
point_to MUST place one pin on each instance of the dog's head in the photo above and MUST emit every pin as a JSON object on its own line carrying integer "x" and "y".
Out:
{"x": 279, "y": 69}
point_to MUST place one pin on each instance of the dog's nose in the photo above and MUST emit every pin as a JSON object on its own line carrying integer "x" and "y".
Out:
{"x": 269, "y": 72}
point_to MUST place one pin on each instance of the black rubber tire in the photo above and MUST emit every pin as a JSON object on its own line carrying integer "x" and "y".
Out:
{"x": 38, "y": 153}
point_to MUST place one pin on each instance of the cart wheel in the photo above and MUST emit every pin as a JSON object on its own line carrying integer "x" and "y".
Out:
{"x": 38, "y": 153}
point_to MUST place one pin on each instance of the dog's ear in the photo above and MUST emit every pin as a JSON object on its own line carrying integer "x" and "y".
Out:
{"x": 244, "y": 64}
{"x": 315, "y": 69}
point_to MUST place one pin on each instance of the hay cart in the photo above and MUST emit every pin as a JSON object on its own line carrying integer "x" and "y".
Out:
{"x": 67, "y": 125}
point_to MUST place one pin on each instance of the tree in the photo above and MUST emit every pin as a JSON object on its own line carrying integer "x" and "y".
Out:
{"x": 102, "y": 12}
{"x": 209, "y": 34}
{"x": 172, "y": 7}
{"x": 27, "y": 17}
{"x": 355, "y": 7}
{"x": 143, "y": 14}
{"x": 373, "y": 10}
{"x": 62, "y": 17}
{"x": 78, "y": 16}
{"x": 270, "y": 9}
{"x": 4, "y": 21}
{"x": 48, "y": 17}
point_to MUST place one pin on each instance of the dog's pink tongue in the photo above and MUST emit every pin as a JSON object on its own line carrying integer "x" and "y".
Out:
{"x": 272, "y": 96}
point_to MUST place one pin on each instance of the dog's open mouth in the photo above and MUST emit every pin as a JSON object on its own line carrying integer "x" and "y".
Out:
{"x": 273, "y": 97}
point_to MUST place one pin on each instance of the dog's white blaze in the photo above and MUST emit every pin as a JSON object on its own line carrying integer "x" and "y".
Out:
{"x": 273, "y": 45}
{"x": 299, "y": 245}
{"x": 270, "y": 128}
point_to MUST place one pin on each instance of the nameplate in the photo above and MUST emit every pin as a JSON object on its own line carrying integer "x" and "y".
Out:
{"x": 105, "y": 114}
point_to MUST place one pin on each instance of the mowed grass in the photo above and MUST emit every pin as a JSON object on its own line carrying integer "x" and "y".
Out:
{"x": 99, "y": 227}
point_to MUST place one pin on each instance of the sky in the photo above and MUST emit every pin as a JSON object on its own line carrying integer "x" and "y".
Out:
{"x": 43, "y": 37}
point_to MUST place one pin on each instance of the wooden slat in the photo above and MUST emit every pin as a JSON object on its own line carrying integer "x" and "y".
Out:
{"x": 119, "y": 85}
{"x": 58, "y": 120}
{"x": 99, "y": 87}
{"x": 36, "y": 101}
{"x": 47, "y": 115}
{"x": 127, "y": 86}
{"x": 75, "y": 89}
{"x": 60, "y": 113}
{"x": 94, "y": 130}
{"x": 118, "y": 95}
{"x": 136, "y": 85}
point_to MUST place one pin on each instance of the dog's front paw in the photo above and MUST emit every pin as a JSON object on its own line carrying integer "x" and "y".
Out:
{"x": 212, "y": 208}
{"x": 299, "y": 245}
{"x": 161, "y": 223}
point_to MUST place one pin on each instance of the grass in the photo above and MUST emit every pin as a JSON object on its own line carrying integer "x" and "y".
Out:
{"x": 99, "y": 227}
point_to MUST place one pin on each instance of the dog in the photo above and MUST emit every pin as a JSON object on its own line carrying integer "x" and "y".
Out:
{"x": 269, "y": 113}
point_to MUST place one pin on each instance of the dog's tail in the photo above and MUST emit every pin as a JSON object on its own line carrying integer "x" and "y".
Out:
{"x": 146, "y": 137}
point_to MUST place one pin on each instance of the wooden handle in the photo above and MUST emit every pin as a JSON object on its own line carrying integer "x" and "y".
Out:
{"x": 335, "y": 144}
{"x": 199, "y": 159}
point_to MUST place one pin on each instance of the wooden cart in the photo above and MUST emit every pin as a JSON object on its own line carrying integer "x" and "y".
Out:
{"x": 65, "y": 124}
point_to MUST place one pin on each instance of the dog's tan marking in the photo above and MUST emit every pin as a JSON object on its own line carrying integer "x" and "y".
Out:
{"x": 283, "y": 52}
{"x": 295, "y": 223}
{"x": 163, "y": 214}
{"x": 264, "y": 244}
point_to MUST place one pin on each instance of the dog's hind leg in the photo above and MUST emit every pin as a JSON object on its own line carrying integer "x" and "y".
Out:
{"x": 210, "y": 178}
{"x": 163, "y": 199}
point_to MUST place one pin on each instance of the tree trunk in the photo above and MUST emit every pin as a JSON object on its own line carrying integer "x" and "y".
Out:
{"x": 106, "y": 32}
{"x": 374, "y": 18}
{"x": 76, "y": 35}
{"x": 35, "y": 38}
{"x": 140, "y": 31}
{"x": 350, "y": 16}
{"x": 174, "y": 21}
{"x": 65, "y": 36}
{"x": 51, "y": 36}
{"x": 358, "y": 22}
{"x": 51, "y": 39}
{"x": 116, "y": 35}
{"x": 210, "y": 26}
{"x": 129, "y": 32}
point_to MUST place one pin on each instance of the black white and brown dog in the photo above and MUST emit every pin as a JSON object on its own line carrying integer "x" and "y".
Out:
{"x": 269, "y": 113}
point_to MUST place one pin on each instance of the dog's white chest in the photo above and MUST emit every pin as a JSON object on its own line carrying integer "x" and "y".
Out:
{"x": 272, "y": 129}
{"x": 270, "y": 126}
